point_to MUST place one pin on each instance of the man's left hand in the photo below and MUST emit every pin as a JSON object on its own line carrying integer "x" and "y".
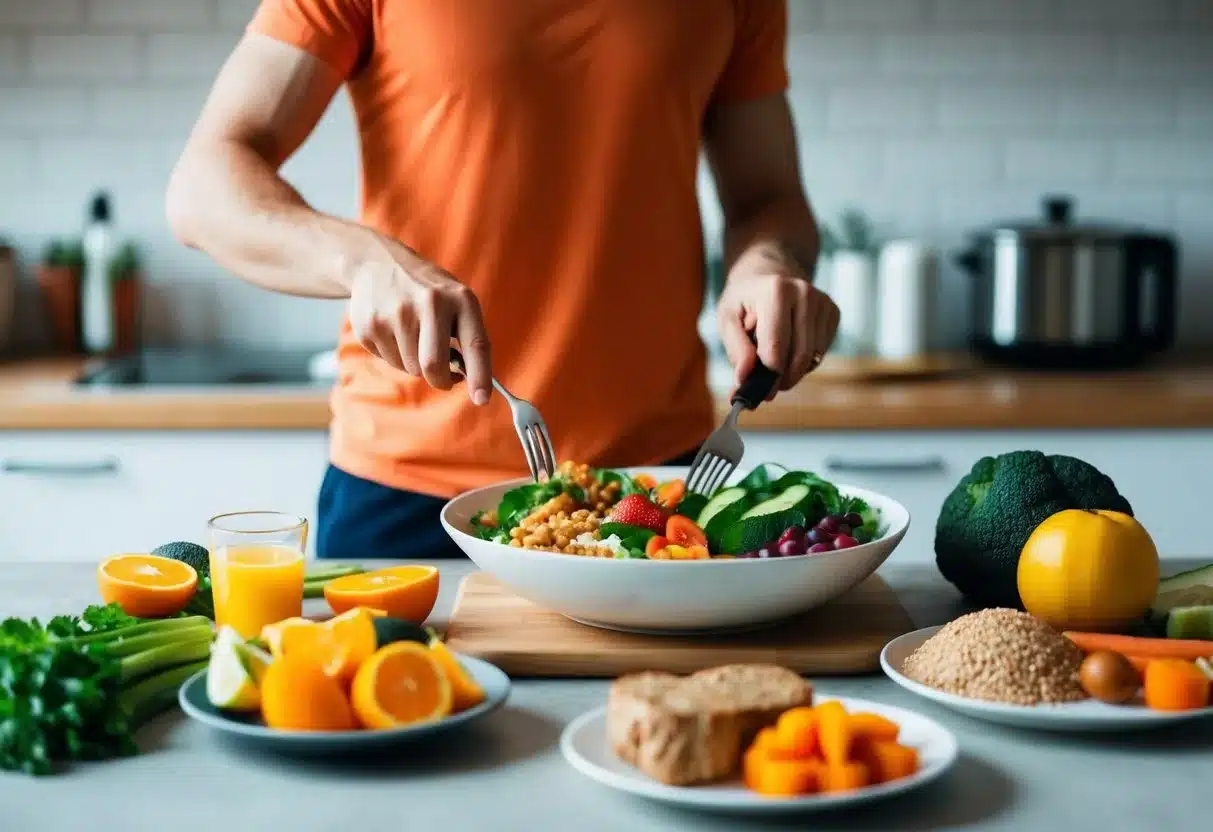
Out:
{"x": 793, "y": 322}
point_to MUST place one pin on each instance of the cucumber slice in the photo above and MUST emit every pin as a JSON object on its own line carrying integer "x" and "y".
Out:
{"x": 793, "y": 497}
{"x": 1191, "y": 622}
{"x": 746, "y": 535}
{"x": 719, "y": 502}
{"x": 1187, "y": 589}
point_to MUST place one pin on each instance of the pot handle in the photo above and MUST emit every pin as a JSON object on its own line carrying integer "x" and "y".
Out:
{"x": 1155, "y": 256}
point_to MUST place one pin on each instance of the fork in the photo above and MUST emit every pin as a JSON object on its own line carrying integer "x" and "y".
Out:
{"x": 532, "y": 432}
{"x": 721, "y": 453}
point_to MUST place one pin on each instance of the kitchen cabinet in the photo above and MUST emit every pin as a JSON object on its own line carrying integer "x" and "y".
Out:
{"x": 83, "y": 495}
{"x": 1165, "y": 475}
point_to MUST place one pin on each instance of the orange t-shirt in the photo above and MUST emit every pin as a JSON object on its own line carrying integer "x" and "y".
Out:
{"x": 544, "y": 152}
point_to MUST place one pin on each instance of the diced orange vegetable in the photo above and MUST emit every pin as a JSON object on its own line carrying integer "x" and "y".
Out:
{"x": 670, "y": 494}
{"x": 646, "y": 481}
{"x": 843, "y": 777}
{"x": 771, "y": 744}
{"x": 781, "y": 778}
{"x": 874, "y": 726}
{"x": 834, "y": 734}
{"x": 887, "y": 760}
{"x": 1175, "y": 685}
{"x": 655, "y": 545}
{"x": 797, "y": 731}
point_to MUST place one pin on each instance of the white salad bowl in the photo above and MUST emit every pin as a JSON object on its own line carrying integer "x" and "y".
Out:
{"x": 665, "y": 596}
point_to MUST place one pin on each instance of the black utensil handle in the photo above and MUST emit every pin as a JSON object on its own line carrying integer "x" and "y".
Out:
{"x": 757, "y": 384}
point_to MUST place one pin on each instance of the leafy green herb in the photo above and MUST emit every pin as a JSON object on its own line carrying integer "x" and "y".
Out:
{"x": 759, "y": 484}
{"x": 518, "y": 502}
{"x": 79, "y": 687}
{"x": 632, "y": 537}
{"x": 691, "y": 505}
{"x": 747, "y": 535}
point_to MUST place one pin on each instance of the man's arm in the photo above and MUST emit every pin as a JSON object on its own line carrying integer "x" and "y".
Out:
{"x": 771, "y": 241}
{"x": 751, "y": 149}
{"x": 226, "y": 196}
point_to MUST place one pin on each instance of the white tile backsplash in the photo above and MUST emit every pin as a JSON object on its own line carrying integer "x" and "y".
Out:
{"x": 934, "y": 116}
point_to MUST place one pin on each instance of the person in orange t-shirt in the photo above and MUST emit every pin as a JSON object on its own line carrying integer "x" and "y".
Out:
{"x": 528, "y": 188}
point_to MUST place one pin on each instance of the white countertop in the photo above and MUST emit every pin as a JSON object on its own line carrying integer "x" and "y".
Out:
{"x": 506, "y": 772}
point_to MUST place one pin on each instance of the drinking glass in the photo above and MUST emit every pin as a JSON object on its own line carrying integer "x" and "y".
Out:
{"x": 256, "y": 568}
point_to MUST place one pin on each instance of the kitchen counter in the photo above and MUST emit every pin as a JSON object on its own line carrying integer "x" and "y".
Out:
{"x": 1177, "y": 394}
{"x": 506, "y": 773}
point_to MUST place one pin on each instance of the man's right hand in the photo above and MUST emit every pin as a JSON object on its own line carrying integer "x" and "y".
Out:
{"x": 406, "y": 310}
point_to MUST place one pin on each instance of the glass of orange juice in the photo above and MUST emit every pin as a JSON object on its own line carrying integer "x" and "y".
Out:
{"x": 256, "y": 568}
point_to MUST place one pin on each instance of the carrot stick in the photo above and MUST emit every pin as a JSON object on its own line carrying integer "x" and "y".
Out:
{"x": 1150, "y": 648}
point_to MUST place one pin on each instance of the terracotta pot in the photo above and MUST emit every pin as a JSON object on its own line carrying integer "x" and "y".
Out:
{"x": 60, "y": 286}
{"x": 127, "y": 307}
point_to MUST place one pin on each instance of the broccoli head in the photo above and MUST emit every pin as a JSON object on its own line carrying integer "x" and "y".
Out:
{"x": 988, "y": 517}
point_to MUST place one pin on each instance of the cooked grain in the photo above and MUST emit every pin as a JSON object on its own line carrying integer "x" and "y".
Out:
{"x": 1000, "y": 655}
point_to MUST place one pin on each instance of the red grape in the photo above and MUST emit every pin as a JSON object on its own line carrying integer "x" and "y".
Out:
{"x": 845, "y": 541}
{"x": 791, "y": 547}
{"x": 792, "y": 533}
{"x": 853, "y": 519}
{"x": 844, "y": 529}
{"x": 829, "y": 523}
{"x": 818, "y": 548}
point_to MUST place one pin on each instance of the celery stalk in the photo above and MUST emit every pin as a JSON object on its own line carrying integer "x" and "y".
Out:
{"x": 130, "y": 646}
{"x": 149, "y": 697}
{"x": 171, "y": 652}
{"x": 159, "y": 626}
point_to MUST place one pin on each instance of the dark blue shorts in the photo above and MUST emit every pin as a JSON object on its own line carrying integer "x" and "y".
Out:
{"x": 362, "y": 520}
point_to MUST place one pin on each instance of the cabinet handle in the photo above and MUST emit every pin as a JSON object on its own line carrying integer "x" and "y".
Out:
{"x": 109, "y": 465}
{"x": 910, "y": 466}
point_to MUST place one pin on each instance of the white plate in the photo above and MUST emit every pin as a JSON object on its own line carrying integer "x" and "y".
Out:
{"x": 584, "y": 745}
{"x": 1086, "y": 716}
{"x": 668, "y": 596}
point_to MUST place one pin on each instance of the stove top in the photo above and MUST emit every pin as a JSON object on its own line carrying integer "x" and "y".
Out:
{"x": 207, "y": 366}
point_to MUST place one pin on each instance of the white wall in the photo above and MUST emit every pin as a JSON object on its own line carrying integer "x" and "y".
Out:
{"x": 932, "y": 115}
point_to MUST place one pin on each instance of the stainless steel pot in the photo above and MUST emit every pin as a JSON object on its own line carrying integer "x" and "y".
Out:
{"x": 1060, "y": 294}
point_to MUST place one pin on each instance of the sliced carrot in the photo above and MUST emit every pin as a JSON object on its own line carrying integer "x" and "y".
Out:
{"x": 844, "y": 777}
{"x": 888, "y": 760}
{"x": 1175, "y": 685}
{"x": 655, "y": 545}
{"x": 670, "y": 494}
{"x": 698, "y": 553}
{"x": 646, "y": 481}
{"x": 796, "y": 731}
{"x": 1148, "y": 648}
{"x": 834, "y": 734}
{"x": 682, "y": 531}
{"x": 874, "y": 727}
{"x": 781, "y": 778}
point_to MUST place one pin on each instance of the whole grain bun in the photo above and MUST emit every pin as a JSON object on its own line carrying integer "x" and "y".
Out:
{"x": 683, "y": 730}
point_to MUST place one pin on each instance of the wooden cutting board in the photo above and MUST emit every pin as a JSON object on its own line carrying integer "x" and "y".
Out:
{"x": 843, "y": 637}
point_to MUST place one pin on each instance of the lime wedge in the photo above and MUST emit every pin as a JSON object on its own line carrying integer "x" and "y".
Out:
{"x": 229, "y": 683}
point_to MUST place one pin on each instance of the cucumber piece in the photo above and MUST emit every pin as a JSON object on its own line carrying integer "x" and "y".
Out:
{"x": 692, "y": 505}
{"x": 793, "y": 497}
{"x": 719, "y": 502}
{"x": 1193, "y": 588}
{"x": 746, "y": 535}
{"x": 1191, "y": 622}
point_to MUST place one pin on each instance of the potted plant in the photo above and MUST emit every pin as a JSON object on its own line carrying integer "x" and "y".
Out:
{"x": 59, "y": 281}
{"x": 126, "y": 278}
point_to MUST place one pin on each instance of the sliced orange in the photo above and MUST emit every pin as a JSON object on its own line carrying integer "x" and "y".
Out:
{"x": 405, "y": 592}
{"x": 401, "y": 684}
{"x": 146, "y": 586}
{"x": 297, "y": 695}
{"x": 465, "y": 691}
{"x": 272, "y": 634}
{"x": 339, "y": 645}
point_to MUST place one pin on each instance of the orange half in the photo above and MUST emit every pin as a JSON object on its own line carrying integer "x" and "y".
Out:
{"x": 146, "y": 586}
{"x": 405, "y": 592}
{"x": 401, "y": 684}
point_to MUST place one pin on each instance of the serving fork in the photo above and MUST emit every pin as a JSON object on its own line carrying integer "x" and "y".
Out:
{"x": 529, "y": 424}
{"x": 721, "y": 453}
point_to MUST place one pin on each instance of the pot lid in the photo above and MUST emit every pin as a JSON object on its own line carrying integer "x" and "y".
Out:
{"x": 1057, "y": 224}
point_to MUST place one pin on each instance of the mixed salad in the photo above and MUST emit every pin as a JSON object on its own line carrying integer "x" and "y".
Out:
{"x": 772, "y": 512}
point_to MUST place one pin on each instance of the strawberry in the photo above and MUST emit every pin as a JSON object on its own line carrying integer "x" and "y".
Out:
{"x": 639, "y": 510}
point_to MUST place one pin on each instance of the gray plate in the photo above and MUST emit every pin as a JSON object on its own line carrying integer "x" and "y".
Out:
{"x": 252, "y": 730}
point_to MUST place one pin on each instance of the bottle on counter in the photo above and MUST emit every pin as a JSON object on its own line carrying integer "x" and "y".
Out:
{"x": 96, "y": 290}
